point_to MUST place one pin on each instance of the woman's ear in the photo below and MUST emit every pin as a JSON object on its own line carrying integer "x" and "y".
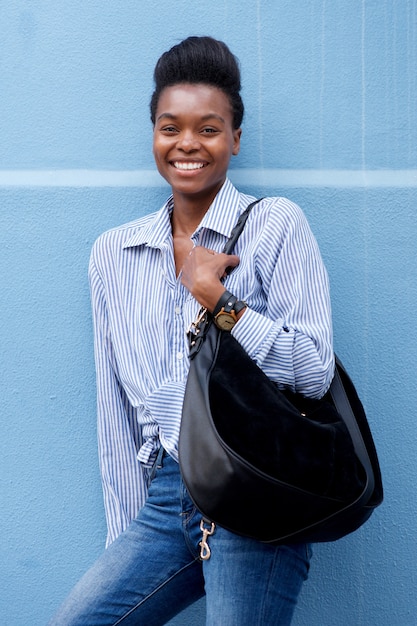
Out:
{"x": 236, "y": 141}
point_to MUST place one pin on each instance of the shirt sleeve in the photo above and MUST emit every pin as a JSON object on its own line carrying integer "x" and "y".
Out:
{"x": 119, "y": 437}
{"x": 291, "y": 338}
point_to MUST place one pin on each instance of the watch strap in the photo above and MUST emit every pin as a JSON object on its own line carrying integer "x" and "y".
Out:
{"x": 239, "y": 306}
{"x": 226, "y": 302}
{"x": 229, "y": 305}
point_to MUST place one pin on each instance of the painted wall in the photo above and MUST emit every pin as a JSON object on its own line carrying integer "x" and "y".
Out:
{"x": 330, "y": 90}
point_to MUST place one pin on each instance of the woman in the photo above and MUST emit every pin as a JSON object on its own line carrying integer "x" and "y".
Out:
{"x": 148, "y": 280}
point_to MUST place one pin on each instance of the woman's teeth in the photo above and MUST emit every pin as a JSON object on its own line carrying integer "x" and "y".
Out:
{"x": 188, "y": 166}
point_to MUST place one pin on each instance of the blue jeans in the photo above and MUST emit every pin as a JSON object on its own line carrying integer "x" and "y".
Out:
{"x": 153, "y": 570}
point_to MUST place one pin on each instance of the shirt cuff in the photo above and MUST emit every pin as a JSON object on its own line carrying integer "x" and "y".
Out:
{"x": 269, "y": 344}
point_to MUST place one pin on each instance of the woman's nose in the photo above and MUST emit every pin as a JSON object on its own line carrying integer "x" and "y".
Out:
{"x": 188, "y": 141}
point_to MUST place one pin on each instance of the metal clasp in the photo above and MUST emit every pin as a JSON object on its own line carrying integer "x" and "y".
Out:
{"x": 194, "y": 328}
{"x": 205, "y": 551}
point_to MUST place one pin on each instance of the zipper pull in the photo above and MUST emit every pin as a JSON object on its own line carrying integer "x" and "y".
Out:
{"x": 205, "y": 551}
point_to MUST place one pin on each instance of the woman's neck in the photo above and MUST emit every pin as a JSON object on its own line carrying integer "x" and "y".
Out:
{"x": 187, "y": 215}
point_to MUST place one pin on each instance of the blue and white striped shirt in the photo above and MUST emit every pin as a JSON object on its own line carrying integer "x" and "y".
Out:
{"x": 142, "y": 312}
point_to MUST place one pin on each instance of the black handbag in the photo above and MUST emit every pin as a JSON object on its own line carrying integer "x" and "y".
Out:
{"x": 266, "y": 463}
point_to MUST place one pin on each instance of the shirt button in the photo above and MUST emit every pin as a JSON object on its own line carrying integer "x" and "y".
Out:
{"x": 177, "y": 310}
{"x": 180, "y": 356}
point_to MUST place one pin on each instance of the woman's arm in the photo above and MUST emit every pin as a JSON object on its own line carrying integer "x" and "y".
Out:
{"x": 287, "y": 326}
{"x": 124, "y": 486}
{"x": 292, "y": 340}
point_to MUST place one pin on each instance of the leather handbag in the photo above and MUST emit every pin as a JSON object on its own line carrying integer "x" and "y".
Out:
{"x": 271, "y": 464}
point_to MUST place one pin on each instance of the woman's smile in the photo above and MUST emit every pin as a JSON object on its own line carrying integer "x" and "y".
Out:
{"x": 188, "y": 165}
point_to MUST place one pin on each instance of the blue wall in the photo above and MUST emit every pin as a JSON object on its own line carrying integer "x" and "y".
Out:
{"x": 331, "y": 93}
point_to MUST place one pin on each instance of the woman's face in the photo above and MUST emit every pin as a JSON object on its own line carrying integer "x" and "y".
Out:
{"x": 194, "y": 139}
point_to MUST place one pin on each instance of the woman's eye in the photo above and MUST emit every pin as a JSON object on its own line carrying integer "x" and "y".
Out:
{"x": 168, "y": 129}
{"x": 209, "y": 131}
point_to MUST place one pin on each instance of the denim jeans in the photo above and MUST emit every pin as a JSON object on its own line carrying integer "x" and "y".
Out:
{"x": 153, "y": 570}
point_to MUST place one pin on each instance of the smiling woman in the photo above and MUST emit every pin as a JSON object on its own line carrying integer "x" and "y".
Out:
{"x": 148, "y": 281}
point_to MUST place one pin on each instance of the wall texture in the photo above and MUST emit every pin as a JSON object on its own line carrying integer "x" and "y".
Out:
{"x": 331, "y": 93}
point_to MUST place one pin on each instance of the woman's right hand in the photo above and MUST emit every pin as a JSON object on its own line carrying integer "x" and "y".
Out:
{"x": 202, "y": 273}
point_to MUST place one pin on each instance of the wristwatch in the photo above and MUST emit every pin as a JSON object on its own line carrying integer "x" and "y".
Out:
{"x": 226, "y": 311}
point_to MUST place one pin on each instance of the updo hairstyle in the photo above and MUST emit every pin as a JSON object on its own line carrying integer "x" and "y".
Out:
{"x": 200, "y": 60}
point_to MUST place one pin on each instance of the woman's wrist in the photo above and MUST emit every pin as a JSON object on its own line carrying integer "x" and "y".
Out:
{"x": 224, "y": 298}
{"x": 232, "y": 303}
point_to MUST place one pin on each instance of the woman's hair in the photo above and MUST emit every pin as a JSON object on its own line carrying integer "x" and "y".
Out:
{"x": 201, "y": 60}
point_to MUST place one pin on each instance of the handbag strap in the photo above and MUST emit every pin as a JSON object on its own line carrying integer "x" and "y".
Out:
{"x": 344, "y": 408}
{"x": 237, "y": 230}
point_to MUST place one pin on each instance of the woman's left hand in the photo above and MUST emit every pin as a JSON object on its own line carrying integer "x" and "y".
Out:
{"x": 202, "y": 273}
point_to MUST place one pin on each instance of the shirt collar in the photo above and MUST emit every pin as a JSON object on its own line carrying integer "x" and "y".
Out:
{"x": 223, "y": 212}
{"x": 156, "y": 231}
{"x": 221, "y": 218}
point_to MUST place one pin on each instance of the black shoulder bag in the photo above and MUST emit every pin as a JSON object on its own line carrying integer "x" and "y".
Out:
{"x": 269, "y": 464}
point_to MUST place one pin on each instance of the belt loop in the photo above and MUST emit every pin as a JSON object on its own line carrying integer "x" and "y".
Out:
{"x": 160, "y": 455}
{"x": 157, "y": 464}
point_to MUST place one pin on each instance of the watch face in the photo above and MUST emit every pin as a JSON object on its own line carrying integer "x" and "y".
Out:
{"x": 225, "y": 321}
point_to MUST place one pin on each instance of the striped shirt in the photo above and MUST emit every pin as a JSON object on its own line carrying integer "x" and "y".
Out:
{"x": 142, "y": 311}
